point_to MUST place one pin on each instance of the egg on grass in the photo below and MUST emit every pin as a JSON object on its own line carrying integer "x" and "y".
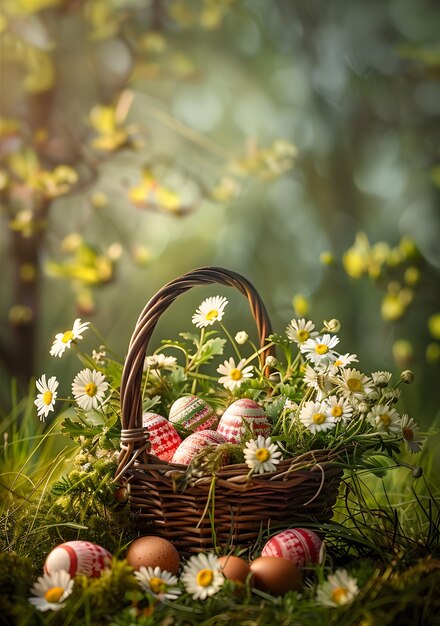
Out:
{"x": 302, "y": 546}
{"x": 234, "y": 568}
{"x": 275, "y": 575}
{"x": 152, "y": 551}
{"x": 78, "y": 557}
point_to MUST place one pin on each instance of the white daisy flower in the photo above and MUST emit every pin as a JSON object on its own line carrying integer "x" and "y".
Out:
{"x": 241, "y": 337}
{"x": 45, "y": 400}
{"x": 233, "y": 375}
{"x": 88, "y": 388}
{"x": 158, "y": 583}
{"x": 316, "y": 417}
{"x": 339, "y": 588}
{"x": 409, "y": 429}
{"x": 343, "y": 360}
{"x": 51, "y": 590}
{"x": 353, "y": 384}
{"x": 290, "y": 406}
{"x": 202, "y": 576}
{"x": 300, "y": 330}
{"x": 261, "y": 455}
{"x": 159, "y": 362}
{"x": 319, "y": 350}
{"x": 64, "y": 340}
{"x": 318, "y": 381}
{"x": 381, "y": 379}
{"x": 385, "y": 419}
{"x": 209, "y": 311}
{"x": 340, "y": 408}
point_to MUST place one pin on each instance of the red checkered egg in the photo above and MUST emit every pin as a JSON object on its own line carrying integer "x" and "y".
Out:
{"x": 240, "y": 417}
{"x": 193, "y": 444}
{"x": 193, "y": 413}
{"x": 164, "y": 438}
{"x": 78, "y": 557}
{"x": 299, "y": 545}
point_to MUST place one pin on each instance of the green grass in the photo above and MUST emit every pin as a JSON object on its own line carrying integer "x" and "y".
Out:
{"x": 385, "y": 532}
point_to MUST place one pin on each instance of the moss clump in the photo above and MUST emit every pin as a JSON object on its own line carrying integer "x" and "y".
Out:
{"x": 15, "y": 583}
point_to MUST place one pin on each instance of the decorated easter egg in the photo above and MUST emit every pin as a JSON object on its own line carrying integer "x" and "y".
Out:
{"x": 153, "y": 552}
{"x": 193, "y": 444}
{"x": 164, "y": 438}
{"x": 240, "y": 417}
{"x": 275, "y": 575}
{"x": 78, "y": 557}
{"x": 193, "y": 414}
{"x": 298, "y": 545}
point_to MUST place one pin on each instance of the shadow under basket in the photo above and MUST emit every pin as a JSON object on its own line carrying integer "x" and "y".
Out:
{"x": 229, "y": 509}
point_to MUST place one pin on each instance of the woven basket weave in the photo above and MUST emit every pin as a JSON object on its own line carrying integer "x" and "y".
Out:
{"x": 228, "y": 509}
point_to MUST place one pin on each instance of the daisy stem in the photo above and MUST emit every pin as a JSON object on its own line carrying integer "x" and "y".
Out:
{"x": 234, "y": 345}
{"x": 103, "y": 341}
{"x": 202, "y": 336}
{"x": 258, "y": 352}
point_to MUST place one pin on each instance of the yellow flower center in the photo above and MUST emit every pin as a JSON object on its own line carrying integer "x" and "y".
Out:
{"x": 205, "y": 577}
{"x": 408, "y": 433}
{"x": 337, "y": 411}
{"x": 54, "y": 594}
{"x": 157, "y": 585}
{"x": 319, "y": 418}
{"x": 321, "y": 348}
{"x": 302, "y": 335}
{"x": 262, "y": 454}
{"x": 91, "y": 389}
{"x": 47, "y": 397}
{"x": 68, "y": 336}
{"x": 339, "y": 595}
{"x": 354, "y": 384}
{"x": 212, "y": 315}
{"x": 338, "y": 362}
{"x": 235, "y": 374}
{"x": 385, "y": 419}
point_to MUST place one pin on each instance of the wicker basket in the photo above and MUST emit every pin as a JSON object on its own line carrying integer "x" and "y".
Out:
{"x": 229, "y": 509}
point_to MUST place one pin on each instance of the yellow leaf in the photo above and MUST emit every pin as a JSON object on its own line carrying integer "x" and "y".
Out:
{"x": 434, "y": 325}
{"x": 9, "y": 126}
{"x": 168, "y": 199}
{"x": 300, "y": 304}
{"x": 23, "y": 164}
{"x": 102, "y": 118}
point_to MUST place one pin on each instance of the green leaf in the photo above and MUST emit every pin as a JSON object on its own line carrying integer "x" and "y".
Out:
{"x": 190, "y": 337}
{"x": 149, "y": 403}
{"x": 178, "y": 376}
{"x": 211, "y": 348}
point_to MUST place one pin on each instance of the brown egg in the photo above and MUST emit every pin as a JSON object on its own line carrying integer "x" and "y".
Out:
{"x": 275, "y": 575}
{"x": 153, "y": 552}
{"x": 234, "y": 568}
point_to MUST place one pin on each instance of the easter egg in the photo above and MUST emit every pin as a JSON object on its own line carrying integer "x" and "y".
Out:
{"x": 164, "y": 438}
{"x": 78, "y": 557}
{"x": 298, "y": 545}
{"x": 234, "y": 568}
{"x": 240, "y": 417}
{"x": 153, "y": 552}
{"x": 275, "y": 575}
{"x": 193, "y": 444}
{"x": 193, "y": 414}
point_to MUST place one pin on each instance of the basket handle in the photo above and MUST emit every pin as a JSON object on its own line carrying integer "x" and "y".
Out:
{"x": 131, "y": 405}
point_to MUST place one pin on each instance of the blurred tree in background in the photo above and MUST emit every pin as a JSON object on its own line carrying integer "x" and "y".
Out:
{"x": 295, "y": 142}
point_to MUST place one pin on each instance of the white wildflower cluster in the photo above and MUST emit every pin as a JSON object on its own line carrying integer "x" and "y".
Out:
{"x": 340, "y": 393}
{"x": 201, "y": 578}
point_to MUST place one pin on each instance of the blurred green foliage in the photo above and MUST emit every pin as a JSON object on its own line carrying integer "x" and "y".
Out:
{"x": 139, "y": 140}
